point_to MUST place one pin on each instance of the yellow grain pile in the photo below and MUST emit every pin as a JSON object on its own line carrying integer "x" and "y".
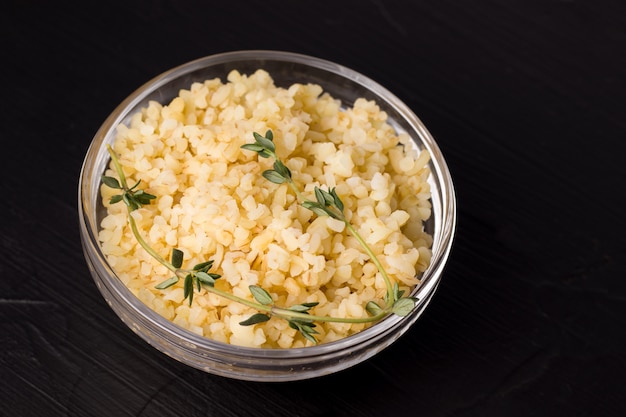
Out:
{"x": 213, "y": 203}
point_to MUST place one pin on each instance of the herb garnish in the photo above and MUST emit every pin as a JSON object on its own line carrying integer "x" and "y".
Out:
{"x": 326, "y": 203}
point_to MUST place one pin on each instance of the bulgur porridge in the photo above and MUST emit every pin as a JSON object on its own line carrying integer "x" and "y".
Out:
{"x": 213, "y": 203}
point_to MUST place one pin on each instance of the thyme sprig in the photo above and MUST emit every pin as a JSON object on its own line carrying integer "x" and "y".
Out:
{"x": 326, "y": 203}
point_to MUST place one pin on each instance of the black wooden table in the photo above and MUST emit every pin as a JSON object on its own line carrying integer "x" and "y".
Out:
{"x": 525, "y": 98}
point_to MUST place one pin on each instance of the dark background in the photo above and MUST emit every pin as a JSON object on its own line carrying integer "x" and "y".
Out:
{"x": 527, "y": 102}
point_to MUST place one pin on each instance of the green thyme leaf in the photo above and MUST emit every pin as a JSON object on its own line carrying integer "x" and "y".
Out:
{"x": 373, "y": 308}
{"x": 205, "y": 278}
{"x": 252, "y": 147}
{"x": 255, "y": 319}
{"x": 204, "y": 266}
{"x": 263, "y": 145}
{"x": 305, "y": 328}
{"x": 309, "y": 336}
{"x": 266, "y": 143}
{"x": 142, "y": 197}
{"x": 319, "y": 196}
{"x": 188, "y": 288}
{"x": 404, "y": 306}
{"x": 261, "y": 295}
{"x": 397, "y": 294}
{"x": 330, "y": 200}
{"x": 111, "y": 182}
{"x": 134, "y": 186}
{"x": 300, "y": 308}
{"x": 115, "y": 199}
{"x": 177, "y": 258}
{"x": 274, "y": 176}
{"x": 128, "y": 201}
{"x": 282, "y": 169}
{"x": 167, "y": 283}
{"x": 320, "y": 211}
{"x": 336, "y": 199}
{"x": 316, "y": 208}
{"x": 268, "y": 135}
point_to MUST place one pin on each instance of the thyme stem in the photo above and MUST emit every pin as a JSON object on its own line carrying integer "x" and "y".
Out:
{"x": 376, "y": 261}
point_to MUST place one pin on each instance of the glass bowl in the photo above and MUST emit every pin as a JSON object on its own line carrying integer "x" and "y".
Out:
{"x": 260, "y": 364}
